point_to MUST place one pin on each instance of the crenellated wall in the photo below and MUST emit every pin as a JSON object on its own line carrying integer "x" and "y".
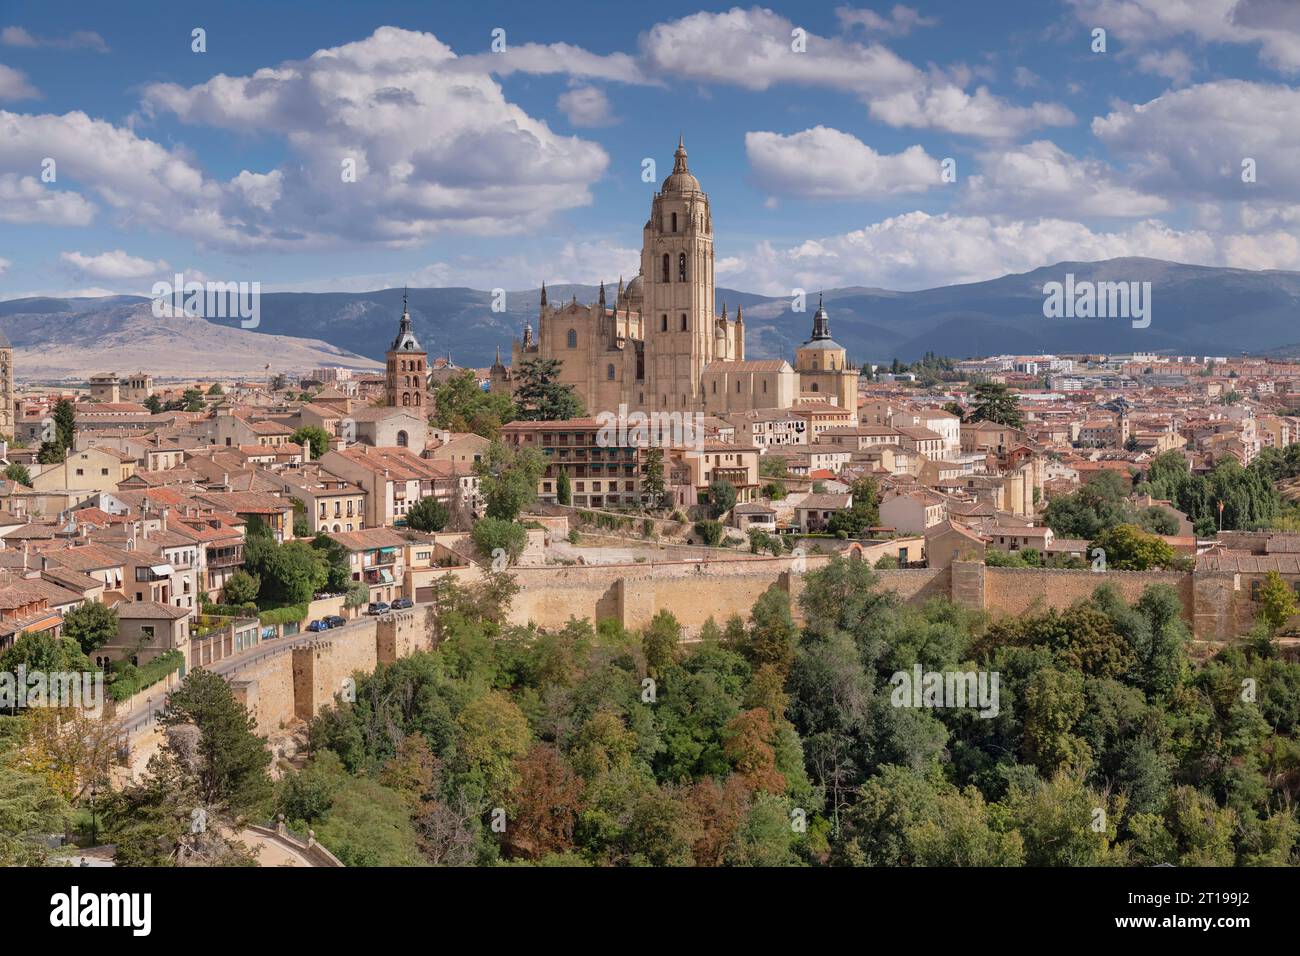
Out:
{"x": 302, "y": 679}
{"x": 1217, "y": 605}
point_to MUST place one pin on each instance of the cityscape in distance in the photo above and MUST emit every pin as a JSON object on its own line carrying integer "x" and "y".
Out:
{"x": 848, "y": 436}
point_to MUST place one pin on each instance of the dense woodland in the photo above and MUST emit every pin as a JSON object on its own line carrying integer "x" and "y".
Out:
{"x": 766, "y": 743}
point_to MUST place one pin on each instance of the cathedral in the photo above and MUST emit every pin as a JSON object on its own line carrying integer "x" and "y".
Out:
{"x": 662, "y": 346}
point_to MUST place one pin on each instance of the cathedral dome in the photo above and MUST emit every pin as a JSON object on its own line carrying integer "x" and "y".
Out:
{"x": 634, "y": 288}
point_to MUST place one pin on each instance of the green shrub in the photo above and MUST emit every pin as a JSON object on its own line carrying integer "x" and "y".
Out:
{"x": 129, "y": 679}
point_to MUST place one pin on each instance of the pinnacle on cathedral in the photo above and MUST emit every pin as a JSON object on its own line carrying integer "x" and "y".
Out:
{"x": 543, "y": 295}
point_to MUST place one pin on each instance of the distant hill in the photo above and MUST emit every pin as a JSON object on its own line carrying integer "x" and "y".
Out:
{"x": 1195, "y": 310}
{"x": 57, "y": 339}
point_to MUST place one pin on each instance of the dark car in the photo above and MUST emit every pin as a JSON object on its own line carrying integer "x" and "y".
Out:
{"x": 335, "y": 621}
{"x": 378, "y": 607}
{"x": 318, "y": 626}
{"x": 401, "y": 603}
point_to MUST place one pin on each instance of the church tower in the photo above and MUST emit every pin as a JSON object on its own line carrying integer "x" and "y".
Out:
{"x": 824, "y": 372}
{"x": 677, "y": 271}
{"x": 407, "y": 371}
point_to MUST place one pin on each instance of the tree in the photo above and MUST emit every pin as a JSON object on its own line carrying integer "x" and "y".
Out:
{"x": 545, "y": 802}
{"x": 242, "y": 587}
{"x": 312, "y": 435}
{"x": 864, "y": 513}
{"x": 994, "y": 402}
{"x": 493, "y": 535}
{"x": 233, "y": 759}
{"x": 652, "y": 482}
{"x": 65, "y": 423}
{"x": 216, "y": 389}
{"x": 710, "y": 532}
{"x": 428, "y": 514}
{"x": 92, "y": 625}
{"x": 1096, "y": 506}
{"x": 337, "y": 561}
{"x": 722, "y": 497}
{"x": 1128, "y": 548}
{"x": 508, "y": 479}
{"x": 154, "y": 404}
{"x": 192, "y": 401}
{"x": 290, "y": 572}
{"x": 18, "y": 472}
{"x": 563, "y": 488}
{"x": 493, "y": 734}
{"x": 540, "y": 394}
{"x": 50, "y": 453}
{"x": 1277, "y": 602}
{"x": 747, "y": 742}
{"x": 661, "y": 642}
{"x": 462, "y": 406}
{"x": 30, "y": 809}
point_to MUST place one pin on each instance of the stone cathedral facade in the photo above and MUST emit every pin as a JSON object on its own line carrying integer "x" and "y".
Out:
{"x": 661, "y": 344}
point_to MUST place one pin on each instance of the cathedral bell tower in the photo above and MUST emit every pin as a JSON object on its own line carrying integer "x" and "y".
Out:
{"x": 677, "y": 266}
{"x": 407, "y": 372}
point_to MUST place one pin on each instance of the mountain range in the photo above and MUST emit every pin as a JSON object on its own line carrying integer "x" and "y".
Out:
{"x": 1194, "y": 310}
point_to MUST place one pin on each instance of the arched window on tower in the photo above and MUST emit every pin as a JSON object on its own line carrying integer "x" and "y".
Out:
{"x": 685, "y": 326}
{"x": 609, "y": 371}
{"x": 402, "y": 439}
{"x": 674, "y": 222}
{"x": 681, "y": 267}
{"x": 573, "y": 338}
{"x": 406, "y": 398}
{"x": 667, "y": 266}
{"x": 417, "y": 399}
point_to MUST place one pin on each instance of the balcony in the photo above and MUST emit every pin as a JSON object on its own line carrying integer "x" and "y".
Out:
{"x": 225, "y": 557}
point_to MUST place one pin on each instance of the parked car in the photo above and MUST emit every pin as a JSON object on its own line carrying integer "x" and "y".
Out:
{"x": 378, "y": 607}
{"x": 318, "y": 626}
{"x": 400, "y": 603}
{"x": 335, "y": 621}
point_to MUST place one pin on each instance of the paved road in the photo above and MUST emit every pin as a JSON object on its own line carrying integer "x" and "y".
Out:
{"x": 142, "y": 720}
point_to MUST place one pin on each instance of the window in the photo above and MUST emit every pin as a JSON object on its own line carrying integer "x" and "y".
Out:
{"x": 666, "y": 268}
{"x": 814, "y": 386}
{"x": 684, "y": 325}
{"x": 681, "y": 267}
{"x": 674, "y": 222}
{"x": 573, "y": 338}
{"x": 402, "y": 439}
{"x": 663, "y": 323}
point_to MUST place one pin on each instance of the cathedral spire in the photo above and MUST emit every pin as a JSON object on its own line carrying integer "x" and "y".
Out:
{"x": 543, "y": 294}
{"x": 679, "y": 157}
{"x": 602, "y": 293}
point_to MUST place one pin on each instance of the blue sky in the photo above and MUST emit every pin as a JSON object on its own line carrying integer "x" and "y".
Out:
{"x": 490, "y": 169}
